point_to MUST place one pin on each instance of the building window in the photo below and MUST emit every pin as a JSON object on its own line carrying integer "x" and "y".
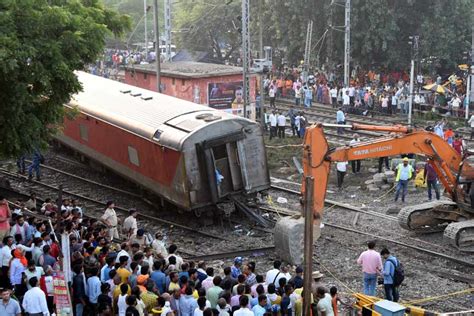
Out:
{"x": 145, "y": 75}
{"x": 133, "y": 156}
{"x": 183, "y": 82}
{"x": 173, "y": 81}
{"x": 84, "y": 132}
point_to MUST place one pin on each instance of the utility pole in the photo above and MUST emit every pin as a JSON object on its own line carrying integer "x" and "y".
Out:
{"x": 329, "y": 49}
{"x": 168, "y": 29}
{"x": 260, "y": 42}
{"x": 414, "y": 54}
{"x": 145, "y": 10}
{"x": 308, "y": 244}
{"x": 307, "y": 50}
{"x": 347, "y": 42}
{"x": 157, "y": 47}
{"x": 245, "y": 53}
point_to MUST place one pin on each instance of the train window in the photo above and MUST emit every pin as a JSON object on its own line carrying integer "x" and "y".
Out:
{"x": 219, "y": 152}
{"x": 173, "y": 81}
{"x": 145, "y": 75}
{"x": 183, "y": 82}
{"x": 133, "y": 156}
{"x": 84, "y": 132}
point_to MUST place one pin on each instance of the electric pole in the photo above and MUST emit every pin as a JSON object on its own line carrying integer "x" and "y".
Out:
{"x": 245, "y": 53}
{"x": 145, "y": 10}
{"x": 307, "y": 50}
{"x": 347, "y": 42}
{"x": 157, "y": 47}
{"x": 414, "y": 54}
{"x": 168, "y": 29}
{"x": 260, "y": 42}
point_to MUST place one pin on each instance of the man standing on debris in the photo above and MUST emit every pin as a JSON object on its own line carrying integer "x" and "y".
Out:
{"x": 404, "y": 174}
{"x": 371, "y": 263}
{"x": 391, "y": 290}
{"x": 341, "y": 120}
{"x": 110, "y": 219}
{"x": 431, "y": 179}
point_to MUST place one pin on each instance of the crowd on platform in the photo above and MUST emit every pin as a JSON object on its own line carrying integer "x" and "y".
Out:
{"x": 368, "y": 92}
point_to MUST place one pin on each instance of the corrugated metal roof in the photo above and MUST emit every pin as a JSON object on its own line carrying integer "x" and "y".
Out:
{"x": 102, "y": 98}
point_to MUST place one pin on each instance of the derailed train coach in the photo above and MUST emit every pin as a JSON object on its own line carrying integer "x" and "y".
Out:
{"x": 190, "y": 155}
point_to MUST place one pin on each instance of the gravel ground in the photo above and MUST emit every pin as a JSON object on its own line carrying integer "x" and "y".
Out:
{"x": 336, "y": 250}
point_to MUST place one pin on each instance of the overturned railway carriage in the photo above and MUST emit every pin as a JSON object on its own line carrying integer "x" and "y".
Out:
{"x": 191, "y": 155}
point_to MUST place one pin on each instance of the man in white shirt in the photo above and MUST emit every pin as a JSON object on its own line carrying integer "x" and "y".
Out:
{"x": 5, "y": 256}
{"x": 243, "y": 310}
{"x": 324, "y": 306}
{"x": 352, "y": 91}
{"x": 346, "y": 100}
{"x": 355, "y": 164}
{"x": 110, "y": 219}
{"x": 272, "y": 94}
{"x": 272, "y": 274}
{"x": 32, "y": 271}
{"x": 129, "y": 227}
{"x": 281, "y": 123}
{"x": 471, "y": 123}
{"x": 273, "y": 124}
{"x": 341, "y": 168}
{"x": 333, "y": 93}
{"x": 34, "y": 301}
{"x": 455, "y": 104}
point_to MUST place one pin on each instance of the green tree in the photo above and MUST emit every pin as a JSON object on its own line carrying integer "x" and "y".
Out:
{"x": 42, "y": 43}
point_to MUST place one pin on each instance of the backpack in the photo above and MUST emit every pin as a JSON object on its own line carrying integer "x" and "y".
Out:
{"x": 399, "y": 272}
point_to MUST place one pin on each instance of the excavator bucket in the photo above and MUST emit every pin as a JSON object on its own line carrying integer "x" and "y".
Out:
{"x": 288, "y": 237}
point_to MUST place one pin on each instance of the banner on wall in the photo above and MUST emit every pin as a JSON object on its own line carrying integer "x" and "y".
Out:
{"x": 226, "y": 96}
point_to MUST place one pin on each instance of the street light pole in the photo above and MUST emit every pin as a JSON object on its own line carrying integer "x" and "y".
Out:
{"x": 262, "y": 88}
{"x": 145, "y": 10}
{"x": 410, "y": 100}
{"x": 347, "y": 42}
{"x": 157, "y": 47}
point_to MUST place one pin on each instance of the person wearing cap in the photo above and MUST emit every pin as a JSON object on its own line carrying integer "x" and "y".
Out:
{"x": 129, "y": 227}
{"x": 317, "y": 282}
{"x": 236, "y": 271}
{"x": 9, "y": 307}
{"x": 404, "y": 174}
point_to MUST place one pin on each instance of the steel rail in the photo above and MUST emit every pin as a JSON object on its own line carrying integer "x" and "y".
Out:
{"x": 232, "y": 254}
{"x": 339, "y": 204}
{"x": 123, "y": 210}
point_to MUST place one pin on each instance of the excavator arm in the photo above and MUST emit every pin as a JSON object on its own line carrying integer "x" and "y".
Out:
{"x": 318, "y": 156}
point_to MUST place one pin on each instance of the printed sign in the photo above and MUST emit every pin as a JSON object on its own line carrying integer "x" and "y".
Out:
{"x": 226, "y": 96}
{"x": 61, "y": 295}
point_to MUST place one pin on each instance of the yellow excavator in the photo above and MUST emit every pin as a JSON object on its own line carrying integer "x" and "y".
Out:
{"x": 455, "y": 217}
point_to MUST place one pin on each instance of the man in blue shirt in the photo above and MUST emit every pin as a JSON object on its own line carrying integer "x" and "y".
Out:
{"x": 391, "y": 291}
{"x": 259, "y": 309}
{"x": 158, "y": 277}
{"x": 93, "y": 288}
{"x": 236, "y": 271}
{"x": 8, "y": 306}
{"x": 341, "y": 120}
{"x": 187, "y": 303}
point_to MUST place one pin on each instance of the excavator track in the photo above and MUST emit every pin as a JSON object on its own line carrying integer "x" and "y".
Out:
{"x": 423, "y": 218}
{"x": 461, "y": 235}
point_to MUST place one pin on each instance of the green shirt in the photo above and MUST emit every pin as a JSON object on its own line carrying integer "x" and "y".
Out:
{"x": 213, "y": 295}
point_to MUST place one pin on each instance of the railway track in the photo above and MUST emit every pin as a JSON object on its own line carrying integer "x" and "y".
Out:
{"x": 387, "y": 235}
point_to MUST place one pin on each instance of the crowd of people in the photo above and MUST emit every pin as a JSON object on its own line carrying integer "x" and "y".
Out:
{"x": 119, "y": 269}
{"x": 368, "y": 92}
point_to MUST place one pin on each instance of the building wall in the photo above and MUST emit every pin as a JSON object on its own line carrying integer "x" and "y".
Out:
{"x": 194, "y": 90}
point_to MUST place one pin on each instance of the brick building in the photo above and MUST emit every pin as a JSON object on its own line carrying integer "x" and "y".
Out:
{"x": 214, "y": 85}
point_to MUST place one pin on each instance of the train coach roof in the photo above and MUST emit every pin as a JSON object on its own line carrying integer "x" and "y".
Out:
{"x": 105, "y": 99}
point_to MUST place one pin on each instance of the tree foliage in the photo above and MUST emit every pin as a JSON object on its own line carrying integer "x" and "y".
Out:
{"x": 41, "y": 44}
{"x": 379, "y": 29}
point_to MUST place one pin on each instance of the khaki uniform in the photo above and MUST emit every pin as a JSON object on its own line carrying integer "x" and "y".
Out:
{"x": 111, "y": 217}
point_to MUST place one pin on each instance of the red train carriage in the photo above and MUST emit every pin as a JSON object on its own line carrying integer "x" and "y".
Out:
{"x": 189, "y": 154}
